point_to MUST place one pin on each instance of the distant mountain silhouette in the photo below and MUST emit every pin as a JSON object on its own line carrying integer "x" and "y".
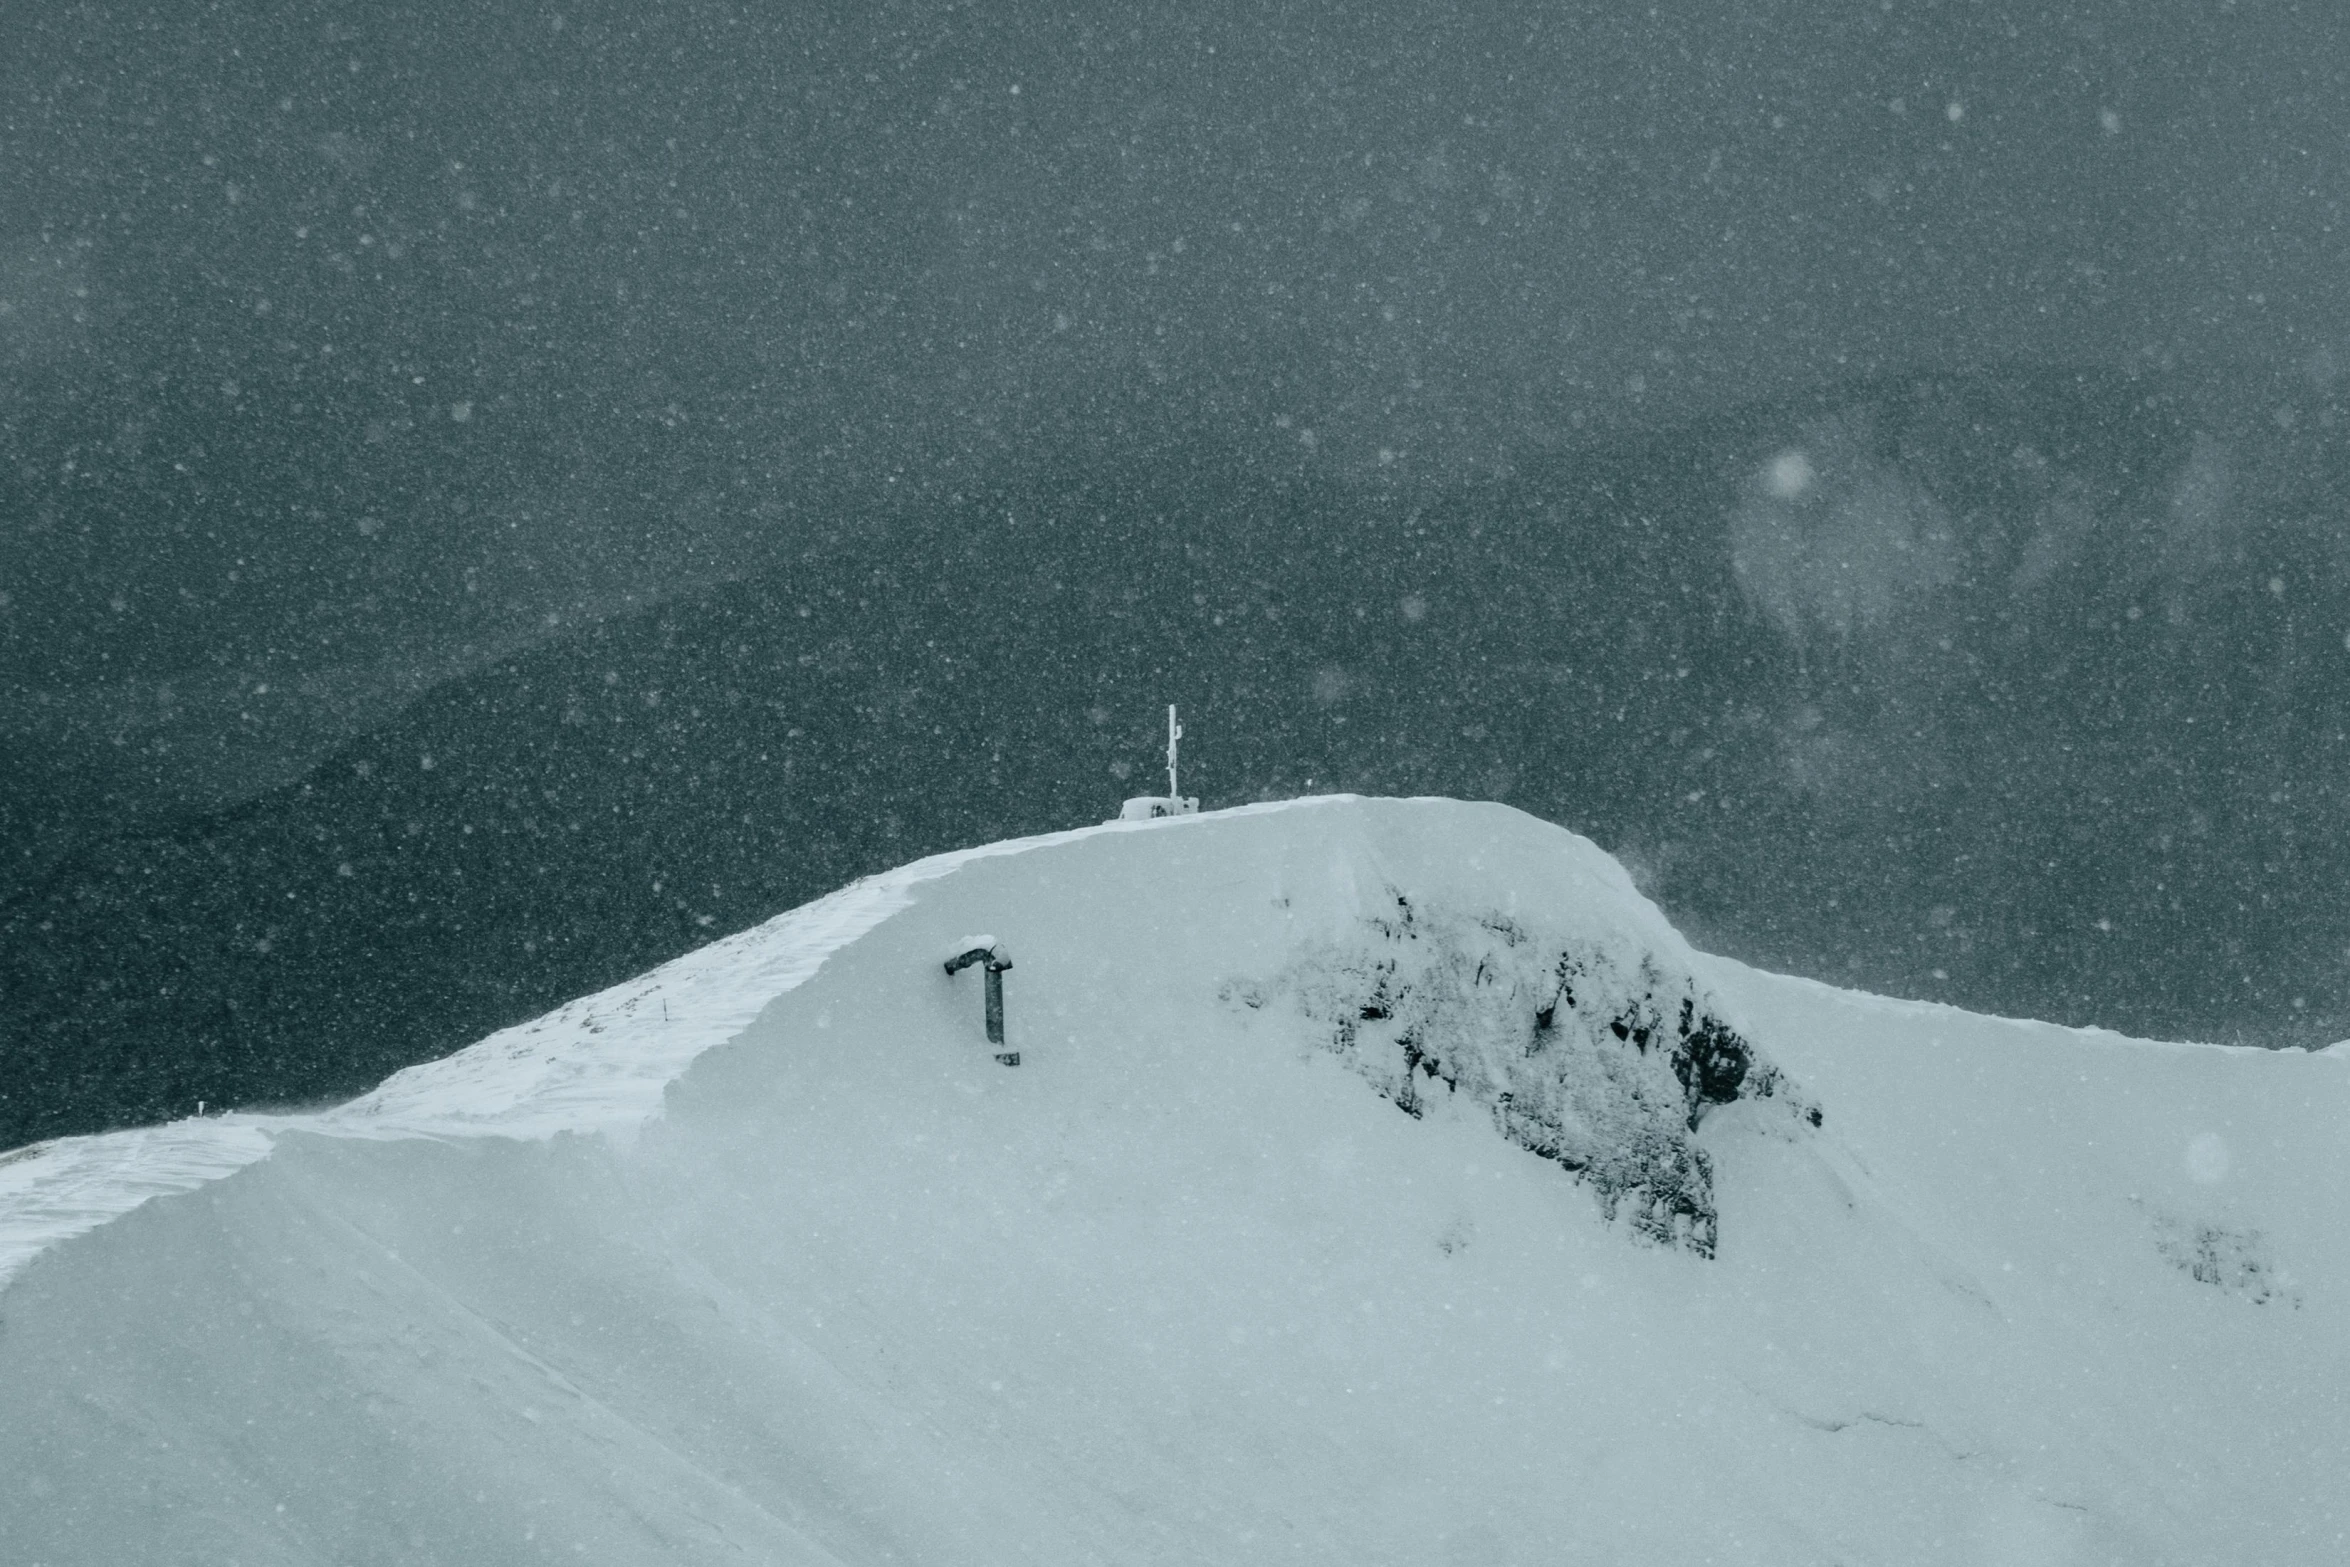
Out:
{"x": 2017, "y": 690}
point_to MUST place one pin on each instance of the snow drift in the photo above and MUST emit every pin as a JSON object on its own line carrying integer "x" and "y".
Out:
{"x": 1382, "y": 1181}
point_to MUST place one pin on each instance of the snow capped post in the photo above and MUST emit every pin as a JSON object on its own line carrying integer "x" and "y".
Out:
{"x": 1143, "y": 808}
{"x": 991, "y": 954}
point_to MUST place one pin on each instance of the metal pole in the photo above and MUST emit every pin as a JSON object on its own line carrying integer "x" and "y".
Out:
{"x": 993, "y": 959}
{"x": 1174, "y": 734}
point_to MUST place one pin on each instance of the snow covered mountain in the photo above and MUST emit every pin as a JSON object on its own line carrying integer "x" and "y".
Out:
{"x": 2007, "y": 689}
{"x": 1382, "y": 1181}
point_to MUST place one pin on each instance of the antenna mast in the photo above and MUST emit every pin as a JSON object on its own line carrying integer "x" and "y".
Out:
{"x": 1174, "y": 737}
{"x": 1150, "y": 807}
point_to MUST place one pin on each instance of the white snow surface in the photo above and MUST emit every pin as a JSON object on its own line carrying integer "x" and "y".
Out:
{"x": 598, "y": 1064}
{"x": 762, "y": 1257}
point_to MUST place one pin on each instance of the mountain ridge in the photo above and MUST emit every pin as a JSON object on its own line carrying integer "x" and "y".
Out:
{"x": 1185, "y": 1284}
{"x": 2045, "y": 815}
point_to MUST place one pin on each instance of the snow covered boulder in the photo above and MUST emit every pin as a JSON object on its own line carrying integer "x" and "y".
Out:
{"x": 1584, "y": 1044}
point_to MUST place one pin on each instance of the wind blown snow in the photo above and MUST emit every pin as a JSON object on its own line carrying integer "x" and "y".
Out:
{"x": 1381, "y": 1181}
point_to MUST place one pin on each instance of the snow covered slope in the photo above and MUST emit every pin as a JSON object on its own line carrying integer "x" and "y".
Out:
{"x": 1383, "y": 1181}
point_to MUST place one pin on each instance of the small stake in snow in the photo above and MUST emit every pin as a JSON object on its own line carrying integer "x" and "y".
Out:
{"x": 990, "y": 953}
{"x": 1145, "y": 807}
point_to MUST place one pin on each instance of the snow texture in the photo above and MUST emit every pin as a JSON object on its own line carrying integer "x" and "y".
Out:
{"x": 798, "y": 1274}
{"x": 598, "y": 1064}
{"x": 963, "y": 944}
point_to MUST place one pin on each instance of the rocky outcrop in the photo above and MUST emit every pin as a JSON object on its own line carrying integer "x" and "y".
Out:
{"x": 1593, "y": 1054}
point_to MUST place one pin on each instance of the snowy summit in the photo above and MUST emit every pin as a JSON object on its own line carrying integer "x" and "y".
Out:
{"x": 1380, "y": 1181}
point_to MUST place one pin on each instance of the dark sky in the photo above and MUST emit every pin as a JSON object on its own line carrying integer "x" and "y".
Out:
{"x": 345, "y": 344}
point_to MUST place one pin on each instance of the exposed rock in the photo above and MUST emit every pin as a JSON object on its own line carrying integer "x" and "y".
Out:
{"x": 2225, "y": 1257}
{"x": 1602, "y": 1060}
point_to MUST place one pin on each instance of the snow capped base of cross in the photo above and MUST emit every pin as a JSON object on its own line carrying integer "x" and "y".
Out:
{"x": 1149, "y": 807}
